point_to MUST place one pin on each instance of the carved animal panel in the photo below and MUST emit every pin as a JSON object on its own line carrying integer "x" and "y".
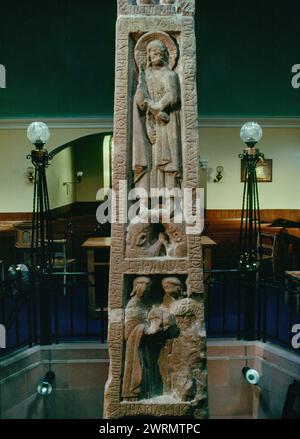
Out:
{"x": 156, "y": 240}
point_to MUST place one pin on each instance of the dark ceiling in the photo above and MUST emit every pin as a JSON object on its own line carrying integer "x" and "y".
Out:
{"x": 59, "y": 57}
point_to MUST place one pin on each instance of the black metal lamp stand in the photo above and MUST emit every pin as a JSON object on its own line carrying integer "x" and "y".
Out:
{"x": 250, "y": 218}
{"x": 42, "y": 240}
{"x": 42, "y": 235}
{"x": 250, "y": 232}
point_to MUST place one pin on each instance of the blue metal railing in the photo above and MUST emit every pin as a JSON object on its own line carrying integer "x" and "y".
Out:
{"x": 275, "y": 311}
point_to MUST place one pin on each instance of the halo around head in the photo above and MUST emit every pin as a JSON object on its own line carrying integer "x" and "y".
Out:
{"x": 140, "y": 52}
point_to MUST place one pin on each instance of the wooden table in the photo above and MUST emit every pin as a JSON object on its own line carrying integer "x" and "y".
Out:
{"x": 105, "y": 243}
{"x": 95, "y": 243}
{"x": 92, "y": 243}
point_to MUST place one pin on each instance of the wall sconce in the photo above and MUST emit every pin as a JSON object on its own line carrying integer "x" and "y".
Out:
{"x": 30, "y": 174}
{"x": 219, "y": 175}
{"x": 79, "y": 176}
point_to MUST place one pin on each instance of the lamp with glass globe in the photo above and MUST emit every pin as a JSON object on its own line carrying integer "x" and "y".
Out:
{"x": 38, "y": 134}
{"x": 250, "y": 256}
{"x": 42, "y": 236}
{"x": 251, "y": 134}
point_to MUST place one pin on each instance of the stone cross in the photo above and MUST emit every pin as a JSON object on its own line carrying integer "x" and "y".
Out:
{"x": 156, "y": 336}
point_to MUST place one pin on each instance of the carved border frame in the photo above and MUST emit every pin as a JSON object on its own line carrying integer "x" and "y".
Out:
{"x": 184, "y": 7}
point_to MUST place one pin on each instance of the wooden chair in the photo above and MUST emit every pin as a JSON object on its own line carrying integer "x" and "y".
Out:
{"x": 266, "y": 244}
{"x": 292, "y": 289}
{"x": 61, "y": 261}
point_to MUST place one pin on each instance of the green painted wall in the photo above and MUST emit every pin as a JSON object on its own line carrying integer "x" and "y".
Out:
{"x": 59, "y": 57}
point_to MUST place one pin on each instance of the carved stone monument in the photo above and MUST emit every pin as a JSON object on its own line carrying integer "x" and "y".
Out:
{"x": 157, "y": 338}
